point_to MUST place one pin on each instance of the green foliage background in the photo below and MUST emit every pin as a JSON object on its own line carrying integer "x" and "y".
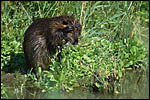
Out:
{"x": 113, "y": 37}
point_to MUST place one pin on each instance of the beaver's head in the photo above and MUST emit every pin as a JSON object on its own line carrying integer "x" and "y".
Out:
{"x": 67, "y": 28}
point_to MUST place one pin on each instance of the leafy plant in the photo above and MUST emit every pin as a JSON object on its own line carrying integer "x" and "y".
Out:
{"x": 111, "y": 41}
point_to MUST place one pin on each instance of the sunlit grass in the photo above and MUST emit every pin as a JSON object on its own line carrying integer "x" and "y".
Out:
{"x": 114, "y": 35}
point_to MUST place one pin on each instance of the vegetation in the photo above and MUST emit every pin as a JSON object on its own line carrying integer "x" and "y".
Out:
{"x": 111, "y": 42}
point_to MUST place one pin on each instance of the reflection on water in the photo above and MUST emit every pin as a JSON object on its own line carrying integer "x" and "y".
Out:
{"x": 135, "y": 85}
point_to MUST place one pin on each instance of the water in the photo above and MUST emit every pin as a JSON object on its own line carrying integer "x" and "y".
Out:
{"x": 135, "y": 85}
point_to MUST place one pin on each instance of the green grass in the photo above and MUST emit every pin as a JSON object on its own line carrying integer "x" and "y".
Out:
{"x": 111, "y": 41}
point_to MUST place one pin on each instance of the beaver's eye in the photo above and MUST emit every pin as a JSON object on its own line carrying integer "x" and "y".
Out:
{"x": 65, "y": 23}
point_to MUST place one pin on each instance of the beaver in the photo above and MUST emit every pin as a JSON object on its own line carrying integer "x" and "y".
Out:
{"x": 47, "y": 35}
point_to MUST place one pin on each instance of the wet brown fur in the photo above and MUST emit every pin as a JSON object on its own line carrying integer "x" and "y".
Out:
{"x": 45, "y": 35}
